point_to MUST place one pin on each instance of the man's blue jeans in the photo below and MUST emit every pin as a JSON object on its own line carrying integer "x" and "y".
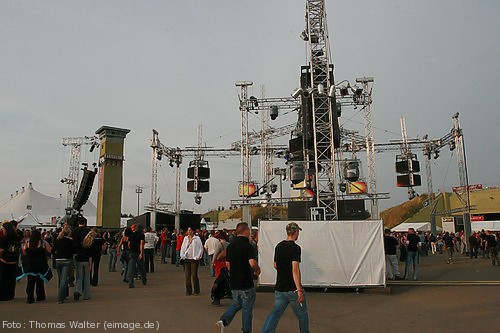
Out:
{"x": 82, "y": 285}
{"x": 63, "y": 267}
{"x": 411, "y": 258}
{"x": 134, "y": 264}
{"x": 281, "y": 301}
{"x": 211, "y": 263}
{"x": 242, "y": 300}
{"x": 112, "y": 260}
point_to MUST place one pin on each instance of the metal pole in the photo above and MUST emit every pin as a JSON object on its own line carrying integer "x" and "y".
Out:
{"x": 178, "y": 197}
{"x": 281, "y": 197}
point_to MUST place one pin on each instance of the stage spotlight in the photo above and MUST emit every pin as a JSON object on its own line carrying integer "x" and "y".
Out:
{"x": 273, "y": 113}
{"x": 331, "y": 91}
{"x": 358, "y": 90}
{"x": 297, "y": 93}
{"x": 344, "y": 91}
{"x": 307, "y": 93}
{"x": 304, "y": 36}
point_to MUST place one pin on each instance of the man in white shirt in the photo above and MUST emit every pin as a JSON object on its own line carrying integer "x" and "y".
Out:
{"x": 191, "y": 252}
{"x": 211, "y": 245}
{"x": 150, "y": 240}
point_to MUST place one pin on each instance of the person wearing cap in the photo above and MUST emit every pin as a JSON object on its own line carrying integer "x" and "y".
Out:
{"x": 288, "y": 289}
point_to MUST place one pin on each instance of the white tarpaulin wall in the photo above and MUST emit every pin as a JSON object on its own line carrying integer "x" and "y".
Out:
{"x": 334, "y": 254}
{"x": 486, "y": 225}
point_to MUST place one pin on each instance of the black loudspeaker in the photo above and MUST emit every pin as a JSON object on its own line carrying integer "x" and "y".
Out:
{"x": 85, "y": 188}
{"x": 299, "y": 210}
{"x": 199, "y": 186}
{"x": 198, "y": 172}
{"x": 404, "y": 167}
{"x": 352, "y": 210}
{"x": 351, "y": 171}
{"x": 297, "y": 172}
{"x": 295, "y": 146}
{"x": 406, "y": 181}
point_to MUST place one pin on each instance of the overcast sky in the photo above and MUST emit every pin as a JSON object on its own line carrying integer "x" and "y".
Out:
{"x": 69, "y": 67}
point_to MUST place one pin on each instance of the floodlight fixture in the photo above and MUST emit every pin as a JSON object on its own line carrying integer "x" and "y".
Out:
{"x": 344, "y": 91}
{"x": 254, "y": 101}
{"x": 331, "y": 91}
{"x": 321, "y": 89}
{"x": 93, "y": 146}
{"x": 304, "y": 36}
{"x": 274, "y": 112}
{"x": 358, "y": 90}
{"x": 297, "y": 93}
{"x": 308, "y": 92}
{"x": 197, "y": 199}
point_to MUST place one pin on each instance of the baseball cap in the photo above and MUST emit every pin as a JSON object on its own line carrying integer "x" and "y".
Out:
{"x": 292, "y": 227}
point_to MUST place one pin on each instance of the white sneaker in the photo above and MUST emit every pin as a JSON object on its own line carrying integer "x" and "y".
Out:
{"x": 219, "y": 327}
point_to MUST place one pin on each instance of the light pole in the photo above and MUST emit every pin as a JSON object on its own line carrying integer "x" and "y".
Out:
{"x": 138, "y": 190}
{"x": 281, "y": 172}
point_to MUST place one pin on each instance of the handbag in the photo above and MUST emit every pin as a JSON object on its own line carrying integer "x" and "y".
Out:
{"x": 182, "y": 261}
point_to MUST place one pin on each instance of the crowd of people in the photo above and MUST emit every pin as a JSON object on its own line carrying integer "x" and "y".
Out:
{"x": 75, "y": 254}
{"x": 411, "y": 245}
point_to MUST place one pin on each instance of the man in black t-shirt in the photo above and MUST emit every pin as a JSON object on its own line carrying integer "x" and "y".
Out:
{"x": 82, "y": 267}
{"x": 136, "y": 255}
{"x": 412, "y": 245}
{"x": 491, "y": 246}
{"x": 391, "y": 258}
{"x": 288, "y": 289}
{"x": 242, "y": 265}
{"x": 450, "y": 246}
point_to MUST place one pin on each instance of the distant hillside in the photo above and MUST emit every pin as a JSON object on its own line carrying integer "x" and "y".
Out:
{"x": 397, "y": 214}
{"x": 258, "y": 213}
{"x": 391, "y": 217}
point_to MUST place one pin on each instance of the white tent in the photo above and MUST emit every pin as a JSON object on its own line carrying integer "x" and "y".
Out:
{"x": 421, "y": 226}
{"x": 32, "y": 208}
{"x": 486, "y": 225}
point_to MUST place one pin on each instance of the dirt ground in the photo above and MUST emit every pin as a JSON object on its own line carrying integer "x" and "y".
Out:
{"x": 162, "y": 304}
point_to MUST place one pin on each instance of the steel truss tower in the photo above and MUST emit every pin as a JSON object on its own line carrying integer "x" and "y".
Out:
{"x": 75, "y": 145}
{"x": 322, "y": 110}
{"x": 370, "y": 145}
{"x": 246, "y": 172}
